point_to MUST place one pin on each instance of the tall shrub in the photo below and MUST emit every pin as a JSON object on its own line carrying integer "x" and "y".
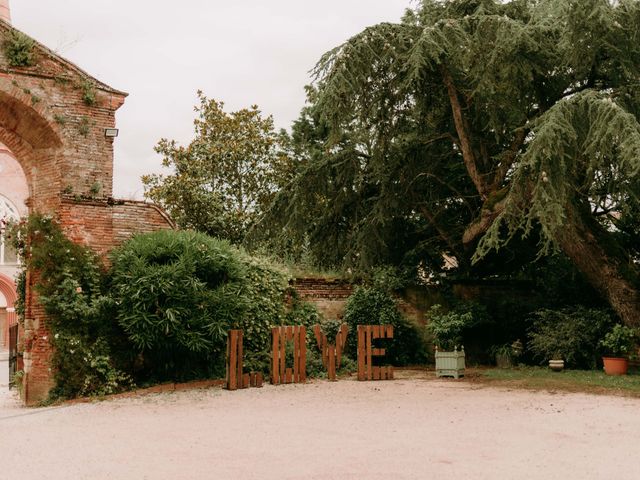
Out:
{"x": 572, "y": 334}
{"x": 264, "y": 289}
{"x": 371, "y": 306}
{"x": 179, "y": 292}
{"x": 177, "y": 295}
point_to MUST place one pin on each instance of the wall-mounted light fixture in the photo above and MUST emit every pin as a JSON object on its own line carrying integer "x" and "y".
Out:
{"x": 111, "y": 132}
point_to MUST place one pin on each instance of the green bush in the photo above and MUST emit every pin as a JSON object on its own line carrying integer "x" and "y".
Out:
{"x": 447, "y": 328}
{"x": 86, "y": 367}
{"x": 620, "y": 341}
{"x": 180, "y": 292}
{"x": 264, "y": 289}
{"x": 305, "y": 314}
{"x": 571, "y": 334}
{"x": 370, "y": 306}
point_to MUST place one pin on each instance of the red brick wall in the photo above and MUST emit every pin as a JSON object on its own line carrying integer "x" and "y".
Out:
{"x": 313, "y": 288}
{"x": 101, "y": 224}
{"x": 328, "y": 296}
{"x": 106, "y": 223}
{"x": 59, "y": 141}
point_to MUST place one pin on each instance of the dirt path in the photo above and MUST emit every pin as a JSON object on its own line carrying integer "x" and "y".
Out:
{"x": 406, "y": 429}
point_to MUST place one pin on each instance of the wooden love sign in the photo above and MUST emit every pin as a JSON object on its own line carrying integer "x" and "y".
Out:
{"x": 331, "y": 355}
{"x": 279, "y": 371}
{"x": 235, "y": 376}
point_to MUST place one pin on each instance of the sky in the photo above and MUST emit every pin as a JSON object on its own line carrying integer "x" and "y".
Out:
{"x": 161, "y": 52}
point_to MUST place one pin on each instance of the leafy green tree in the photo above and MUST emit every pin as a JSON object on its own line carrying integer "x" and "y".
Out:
{"x": 486, "y": 122}
{"x": 226, "y": 176}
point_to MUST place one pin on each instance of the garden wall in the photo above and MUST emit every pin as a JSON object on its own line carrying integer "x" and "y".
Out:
{"x": 330, "y": 295}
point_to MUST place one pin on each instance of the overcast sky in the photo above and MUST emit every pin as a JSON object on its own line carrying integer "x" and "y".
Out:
{"x": 161, "y": 52}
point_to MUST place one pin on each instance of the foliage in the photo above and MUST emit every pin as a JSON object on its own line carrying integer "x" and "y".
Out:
{"x": 162, "y": 312}
{"x": 19, "y": 50}
{"x": 474, "y": 117}
{"x": 586, "y": 145}
{"x": 620, "y": 341}
{"x": 507, "y": 351}
{"x": 88, "y": 92}
{"x": 265, "y": 287}
{"x": 84, "y": 126}
{"x": 303, "y": 313}
{"x": 571, "y": 334}
{"x": 21, "y": 294}
{"x": 226, "y": 176}
{"x": 369, "y": 306}
{"x": 179, "y": 292}
{"x": 315, "y": 368}
{"x": 72, "y": 290}
{"x": 86, "y": 367}
{"x": 448, "y": 328}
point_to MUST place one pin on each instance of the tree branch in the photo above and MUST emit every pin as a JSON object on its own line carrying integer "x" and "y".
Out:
{"x": 482, "y": 224}
{"x": 463, "y": 134}
{"x": 443, "y": 234}
{"x": 509, "y": 158}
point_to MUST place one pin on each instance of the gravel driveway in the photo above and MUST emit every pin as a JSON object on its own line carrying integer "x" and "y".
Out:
{"x": 405, "y": 429}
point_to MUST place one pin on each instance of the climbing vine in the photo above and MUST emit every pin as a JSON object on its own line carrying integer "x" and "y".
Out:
{"x": 71, "y": 287}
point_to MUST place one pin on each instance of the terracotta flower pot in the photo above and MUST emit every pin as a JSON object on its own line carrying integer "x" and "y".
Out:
{"x": 615, "y": 365}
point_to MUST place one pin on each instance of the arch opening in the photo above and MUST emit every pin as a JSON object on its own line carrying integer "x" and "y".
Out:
{"x": 14, "y": 194}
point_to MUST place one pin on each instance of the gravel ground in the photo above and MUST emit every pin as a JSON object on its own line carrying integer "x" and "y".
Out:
{"x": 405, "y": 429}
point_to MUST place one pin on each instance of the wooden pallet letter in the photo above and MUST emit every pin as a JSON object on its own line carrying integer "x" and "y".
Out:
{"x": 331, "y": 353}
{"x": 235, "y": 377}
{"x": 366, "y": 351}
{"x": 280, "y": 373}
{"x": 234, "y": 360}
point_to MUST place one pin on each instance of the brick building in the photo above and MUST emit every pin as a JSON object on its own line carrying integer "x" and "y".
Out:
{"x": 57, "y": 127}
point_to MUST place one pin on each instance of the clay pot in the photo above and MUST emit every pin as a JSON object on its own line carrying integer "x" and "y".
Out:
{"x": 556, "y": 365}
{"x": 615, "y": 365}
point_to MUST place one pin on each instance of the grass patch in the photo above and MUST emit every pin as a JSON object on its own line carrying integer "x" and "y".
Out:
{"x": 540, "y": 378}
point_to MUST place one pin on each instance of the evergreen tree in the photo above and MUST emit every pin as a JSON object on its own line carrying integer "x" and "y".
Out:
{"x": 479, "y": 122}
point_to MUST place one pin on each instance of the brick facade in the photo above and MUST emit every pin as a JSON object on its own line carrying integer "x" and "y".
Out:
{"x": 53, "y": 118}
{"x": 328, "y": 296}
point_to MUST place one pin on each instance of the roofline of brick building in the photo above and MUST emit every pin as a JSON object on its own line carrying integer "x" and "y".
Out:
{"x": 58, "y": 58}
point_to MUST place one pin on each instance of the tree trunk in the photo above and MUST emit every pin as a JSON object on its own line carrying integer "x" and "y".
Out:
{"x": 614, "y": 276}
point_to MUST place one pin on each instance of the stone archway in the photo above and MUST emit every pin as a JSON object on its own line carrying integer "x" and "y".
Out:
{"x": 58, "y": 122}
